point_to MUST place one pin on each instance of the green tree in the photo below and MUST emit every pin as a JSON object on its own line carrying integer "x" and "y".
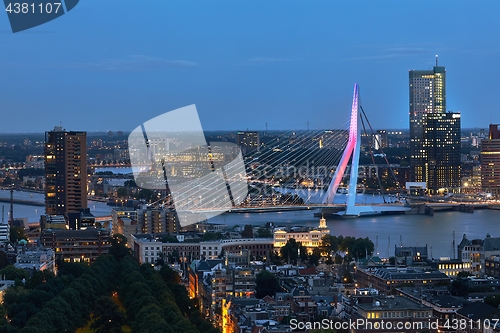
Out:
{"x": 16, "y": 234}
{"x": 146, "y": 194}
{"x": 130, "y": 183}
{"x": 12, "y": 273}
{"x": 266, "y": 284}
{"x": 174, "y": 257}
{"x": 347, "y": 277}
{"x": 169, "y": 239}
{"x": 493, "y": 300}
{"x": 291, "y": 251}
{"x": 247, "y": 231}
{"x": 338, "y": 259}
{"x": 30, "y": 183}
{"x": 264, "y": 233}
{"x": 119, "y": 248}
{"x": 73, "y": 269}
{"x": 209, "y": 236}
{"x": 463, "y": 274}
{"x": 4, "y": 260}
{"x": 329, "y": 244}
{"x": 122, "y": 192}
{"x": 7, "y": 181}
{"x": 169, "y": 275}
{"x": 315, "y": 256}
{"x": 459, "y": 287}
{"x": 107, "y": 316}
{"x": 361, "y": 247}
{"x": 275, "y": 258}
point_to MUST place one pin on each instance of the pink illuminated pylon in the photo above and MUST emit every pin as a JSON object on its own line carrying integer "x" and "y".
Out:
{"x": 352, "y": 149}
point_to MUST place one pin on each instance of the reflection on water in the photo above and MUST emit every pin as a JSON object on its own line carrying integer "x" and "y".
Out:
{"x": 412, "y": 230}
{"x": 32, "y": 213}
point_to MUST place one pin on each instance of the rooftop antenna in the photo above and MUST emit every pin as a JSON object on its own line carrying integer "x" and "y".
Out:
{"x": 389, "y": 247}
{"x": 11, "y": 217}
{"x": 436, "y": 60}
{"x": 453, "y": 244}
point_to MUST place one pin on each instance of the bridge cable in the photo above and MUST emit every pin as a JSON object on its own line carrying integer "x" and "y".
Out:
{"x": 383, "y": 153}
{"x": 373, "y": 159}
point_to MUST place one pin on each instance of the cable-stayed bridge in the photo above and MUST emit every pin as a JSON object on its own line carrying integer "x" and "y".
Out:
{"x": 283, "y": 160}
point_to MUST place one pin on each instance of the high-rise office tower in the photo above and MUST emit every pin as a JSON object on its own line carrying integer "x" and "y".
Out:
{"x": 442, "y": 151}
{"x": 427, "y": 95}
{"x": 380, "y": 140}
{"x": 248, "y": 141}
{"x": 490, "y": 161}
{"x": 65, "y": 171}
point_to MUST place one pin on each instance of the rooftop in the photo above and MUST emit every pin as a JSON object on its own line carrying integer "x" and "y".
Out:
{"x": 392, "y": 303}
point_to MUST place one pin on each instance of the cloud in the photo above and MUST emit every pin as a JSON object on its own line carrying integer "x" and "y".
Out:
{"x": 132, "y": 63}
{"x": 267, "y": 59}
{"x": 384, "y": 52}
{"x": 481, "y": 52}
{"x": 407, "y": 50}
{"x": 377, "y": 57}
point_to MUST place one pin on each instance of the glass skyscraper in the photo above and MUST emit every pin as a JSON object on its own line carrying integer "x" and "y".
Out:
{"x": 434, "y": 133}
{"x": 427, "y": 95}
{"x": 442, "y": 151}
{"x": 490, "y": 161}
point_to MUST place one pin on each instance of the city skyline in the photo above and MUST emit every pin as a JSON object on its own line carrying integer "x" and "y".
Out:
{"x": 288, "y": 66}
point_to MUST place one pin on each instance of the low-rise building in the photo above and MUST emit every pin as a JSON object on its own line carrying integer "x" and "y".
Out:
{"x": 258, "y": 247}
{"x": 387, "y": 279}
{"x": 243, "y": 282}
{"x": 53, "y": 222}
{"x": 4, "y": 233}
{"x": 310, "y": 238}
{"x": 479, "y": 318}
{"x": 476, "y": 252}
{"x": 240, "y": 258}
{"x": 451, "y": 267}
{"x": 128, "y": 221}
{"x": 386, "y": 314}
{"x": 148, "y": 249}
{"x": 492, "y": 266}
{"x": 410, "y": 255}
{"x": 76, "y": 245}
{"x": 40, "y": 260}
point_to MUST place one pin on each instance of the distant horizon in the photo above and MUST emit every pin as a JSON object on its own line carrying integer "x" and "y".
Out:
{"x": 99, "y": 132}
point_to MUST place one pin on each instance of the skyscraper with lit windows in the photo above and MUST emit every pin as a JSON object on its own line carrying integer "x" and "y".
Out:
{"x": 442, "y": 150}
{"x": 490, "y": 161}
{"x": 65, "y": 171}
{"x": 427, "y": 95}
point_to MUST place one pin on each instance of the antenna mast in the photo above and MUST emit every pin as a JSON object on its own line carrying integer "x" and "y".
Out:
{"x": 11, "y": 217}
{"x": 453, "y": 244}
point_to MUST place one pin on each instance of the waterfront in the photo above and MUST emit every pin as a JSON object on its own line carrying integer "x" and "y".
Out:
{"x": 414, "y": 230}
{"x": 32, "y": 213}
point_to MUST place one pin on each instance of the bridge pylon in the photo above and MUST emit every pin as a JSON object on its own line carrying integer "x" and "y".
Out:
{"x": 353, "y": 150}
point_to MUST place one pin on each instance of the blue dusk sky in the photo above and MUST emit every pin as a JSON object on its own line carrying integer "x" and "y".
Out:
{"x": 114, "y": 64}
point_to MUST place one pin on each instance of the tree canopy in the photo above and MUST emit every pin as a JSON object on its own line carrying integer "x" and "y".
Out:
{"x": 266, "y": 284}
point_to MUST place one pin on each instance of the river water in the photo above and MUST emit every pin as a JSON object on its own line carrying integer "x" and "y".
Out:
{"x": 386, "y": 231}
